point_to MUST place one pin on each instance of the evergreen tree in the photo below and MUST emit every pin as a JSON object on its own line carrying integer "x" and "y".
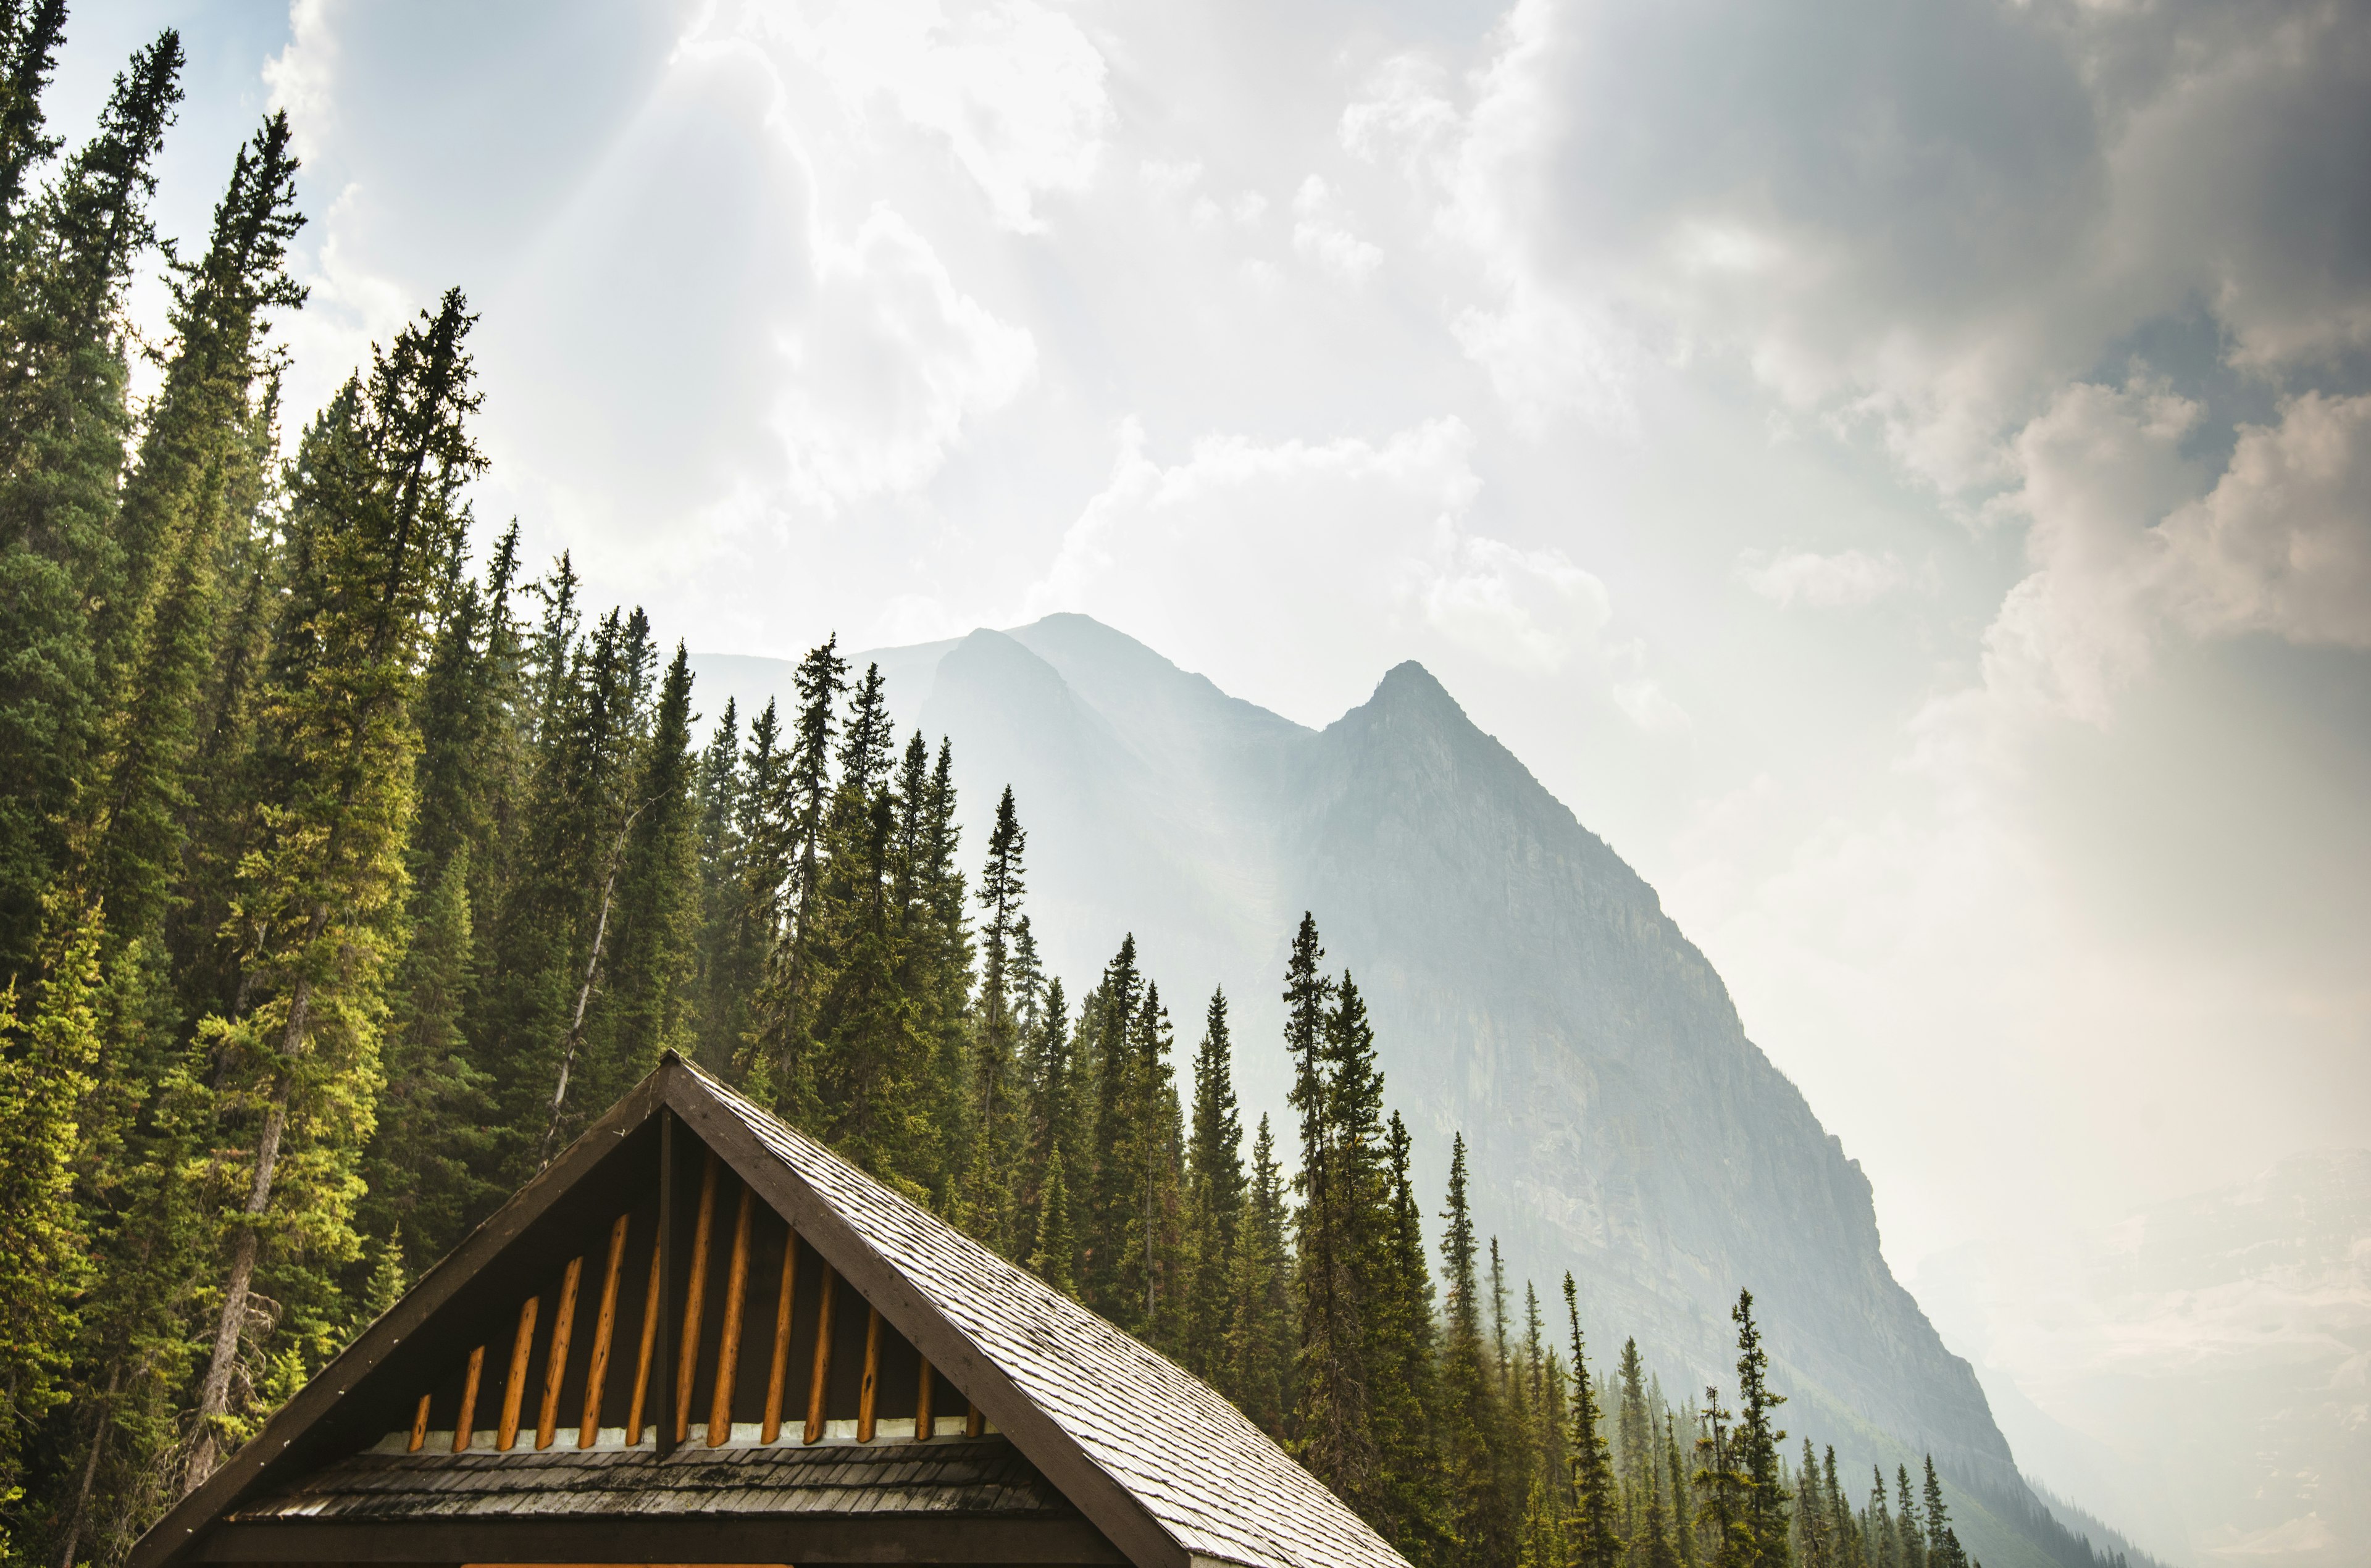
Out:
{"x": 1472, "y": 1434}
{"x": 1943, "y": 1549}
{"x": 64, "y": 423}
{"x": 1756, "y": 1448}
{"x": 1596, "y": 1539}
{"x": 1914, "y": 1542}
{"x": 376, "y": 513}
{"x": 1054, "y": 1257}
{"x": 1214, "y": 1194}
{"x": 1410, "y": 1506}
{"x": 1723, "y": 1526}
{"x": 44, "y": 1077}
{"x": 994, "y": 1114}
{"x": 1260, "y": 1336}
{"x": 1333, "y": 1436}
{"x": 29, "y": 47}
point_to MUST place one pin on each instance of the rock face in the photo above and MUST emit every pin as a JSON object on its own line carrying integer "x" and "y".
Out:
{"x": 1527, "y": 988}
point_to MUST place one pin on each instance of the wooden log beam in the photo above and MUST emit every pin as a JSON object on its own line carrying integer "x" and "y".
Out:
{"x": 695, "y": 1300}
{"x": 419, "y": 1428}
{"x": 822, "y": 1369}
{"x": 974, "y": 1423}
{"x": 651, "y": 1299}
{"x": 605, "y": 1328}
{"x": 869, "y": 1385}
{"x": 728, "y": 1348}
{"x": 465, "y": 1423}
{"x": 555, "y": 1360}
{"x": 780, "y": 1370}
{"x": 922, "y": 1417}
{"x": 515, "y": 1389}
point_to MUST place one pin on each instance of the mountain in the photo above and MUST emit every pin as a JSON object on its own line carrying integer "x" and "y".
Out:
{"x": 1528, "y": 991}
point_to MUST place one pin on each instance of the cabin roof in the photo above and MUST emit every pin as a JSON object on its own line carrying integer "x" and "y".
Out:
{"x": 1097, "y": 1449}
{"x": 1219, "y": 1485}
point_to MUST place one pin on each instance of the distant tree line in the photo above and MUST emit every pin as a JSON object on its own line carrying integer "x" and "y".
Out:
{"x": 342, "y": 882}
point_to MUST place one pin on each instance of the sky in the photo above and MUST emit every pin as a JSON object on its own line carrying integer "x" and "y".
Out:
{"x": 1901, "y": 474}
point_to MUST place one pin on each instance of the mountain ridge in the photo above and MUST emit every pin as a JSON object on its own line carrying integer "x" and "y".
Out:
{"x": 1529, "y": 990}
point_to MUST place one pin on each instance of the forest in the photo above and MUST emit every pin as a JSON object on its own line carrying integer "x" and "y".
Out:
{"x": 348, "y": 869}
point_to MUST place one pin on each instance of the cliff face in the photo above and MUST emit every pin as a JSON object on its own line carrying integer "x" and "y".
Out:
{"x": 1528, "y": 991}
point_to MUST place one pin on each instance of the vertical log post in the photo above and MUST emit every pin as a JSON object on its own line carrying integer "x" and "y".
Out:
{"x": 974, "y": 1423}
{"x": 555, "y": 1360}
{"x": 515, "y": 1389}
{"x": 655, "y": 1324}
{"x": 866, "y": 1389}
{"x": 922, "y": 1416}
{"x": 728, "y": 1349}
{"x": 419, "y": 1428}
{"x": 465, "y": 1423}
{"x": 653, "y": 1303}
{"x": 695, "y": 1301}
{"x": 821, "y": 1373}
{"x": 781, "y": 1364}
{"x": 605, "y": 1328}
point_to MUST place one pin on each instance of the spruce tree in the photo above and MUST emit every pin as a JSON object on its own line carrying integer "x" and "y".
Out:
{"x": 993, "y": 1112}
{"x": 376, "y": 513}
{"x": 1409, "y": 1504}
{"x": 1214, "y": 1197}
{"x": 28, "y": 48}
{"x": 154, "y": 638}
{"x": 64, "y": 423}
{"x": 1054, "y": 1256}
{"x": 1260, "y": 1335}
{"x": 1472, "y": 1433}
{"x": 45, "y": 1074}
{"x": 1943, "y": 1550}
{"x": 1757, "y": 1440}
{"x": 1596, "y": 1538}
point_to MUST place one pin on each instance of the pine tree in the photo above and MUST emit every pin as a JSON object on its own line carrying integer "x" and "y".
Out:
{"x": 1409, "y": 1504}
{"x": 376, "y": 515}
{"x": 1943, "y": 1549}
{"x": 1596, "y": 1539}
{"x": 1214, "y": 1197}
{"x": 1472, "y": 1434}
{"x": 1635, "y": 1448}
{"x": 154, "y": 638}
{"x": 785, "y": 1006}
{"x": 720, "y": 980}
{"x": 1756, "y": 1449}
{"x": 1260, "y": 1335}
{"x": 422, "y": 1180}
{"x": 1054, "y": 1257}
{"x": 993, "y": 1114}
{"x": 64, "y": 423}
{"x": 1722, "y": 1525}
{"x": 45, "y": 1073}
{"x": 29, "y": 46}
{"x": 1914, "y": 1544}
{"x": 1333, "y": 1436}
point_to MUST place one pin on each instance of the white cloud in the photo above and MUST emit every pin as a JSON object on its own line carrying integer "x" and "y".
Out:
{"x": 1318, "y": 235}
{"x": 1016, "y": 90}
{"x": 302, "y": 78}
{"x": 2127, "y": 552}
{"x": 1821, "y": 581}
{"x": 887, "y": 367}
{"x": 1348, "y": 556}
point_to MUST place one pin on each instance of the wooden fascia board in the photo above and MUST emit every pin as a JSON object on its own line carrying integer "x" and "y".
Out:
{"x": 171, "y": 1536}
{"x": 1094, "y": 1490}
{"x": 805, "y": 1539}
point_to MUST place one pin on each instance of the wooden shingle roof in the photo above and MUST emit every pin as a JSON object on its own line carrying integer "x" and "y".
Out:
{"x": 1216, "y": 1483}
{"x": 1085, "y": 1446}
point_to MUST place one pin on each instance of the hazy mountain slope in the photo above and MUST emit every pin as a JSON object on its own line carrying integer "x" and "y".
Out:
{"x": 1529, "y": 992}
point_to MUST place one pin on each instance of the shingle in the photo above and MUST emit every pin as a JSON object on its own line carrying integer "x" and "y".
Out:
{"x": 1207, "y": 1474}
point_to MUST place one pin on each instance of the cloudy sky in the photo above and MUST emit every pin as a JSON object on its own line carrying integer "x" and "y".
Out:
{"x": 1903, "y": 473}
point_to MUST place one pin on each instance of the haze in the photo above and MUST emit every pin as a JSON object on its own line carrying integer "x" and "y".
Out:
{"x": 1902, "y": 474}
